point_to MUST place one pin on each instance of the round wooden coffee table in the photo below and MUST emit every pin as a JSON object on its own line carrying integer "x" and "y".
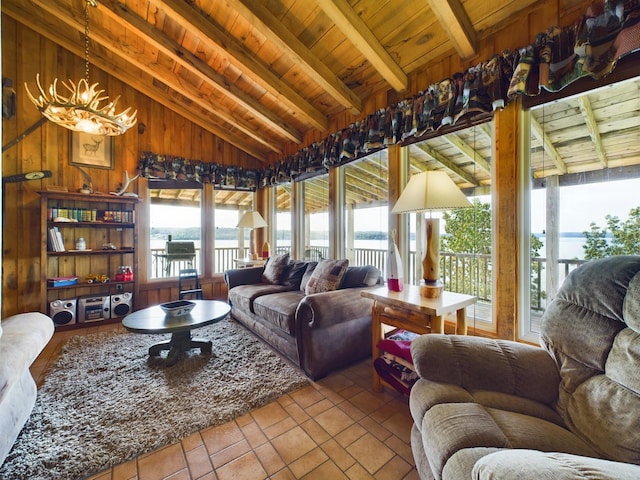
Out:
{"x": 153, "y": 320}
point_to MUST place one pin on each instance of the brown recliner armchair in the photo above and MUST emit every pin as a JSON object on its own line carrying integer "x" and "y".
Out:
{"x": 494, "y": 409}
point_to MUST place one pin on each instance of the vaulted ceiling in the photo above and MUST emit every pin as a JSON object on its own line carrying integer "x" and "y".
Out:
{"x": 260, "y": 74}
{"x": 263, "y": 75}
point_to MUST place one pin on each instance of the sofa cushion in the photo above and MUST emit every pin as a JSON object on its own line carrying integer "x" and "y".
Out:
{"x": 293, "y": 273}
{"x": 311, "y": 266}
{"x": 274, "y": 268}
{"x": 243, "y": 296}
{"x": 360, "y": 277}
{"x": 279, "y": 309}
{"x": 327, "y": 276}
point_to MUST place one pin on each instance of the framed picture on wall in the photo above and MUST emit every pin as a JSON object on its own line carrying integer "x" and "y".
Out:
{"x": 89, "y": 150}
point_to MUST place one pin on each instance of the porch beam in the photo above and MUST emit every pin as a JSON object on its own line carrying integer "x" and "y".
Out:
{"x": 548, "y": 146}
{"x": 447, "y": 164}
{"x": 468, "y": 151}
{"x": 592, "y": 126}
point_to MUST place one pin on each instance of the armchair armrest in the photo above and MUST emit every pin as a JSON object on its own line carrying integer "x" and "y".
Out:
{"x": 476, "y": 363}
{"x": 243, "y": 276}
{"x": 521, "y": 464}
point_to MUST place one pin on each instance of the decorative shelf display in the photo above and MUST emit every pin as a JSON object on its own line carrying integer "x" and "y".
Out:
{"x": 88, "y": 238}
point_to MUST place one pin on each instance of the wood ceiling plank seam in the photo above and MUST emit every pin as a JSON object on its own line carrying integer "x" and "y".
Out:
{"x": 409, "y": 44}
{"x": 365, "y": 41}
{"x": 261, "y": 18}
{"x": 214, "y": 37}
{"x": 485, "y": 19}
{"x": 187, "y": 60}
{"x": 300, "y": 20}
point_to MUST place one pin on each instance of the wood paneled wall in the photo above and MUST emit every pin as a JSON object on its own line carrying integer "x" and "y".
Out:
{"x": 25, "y": 54}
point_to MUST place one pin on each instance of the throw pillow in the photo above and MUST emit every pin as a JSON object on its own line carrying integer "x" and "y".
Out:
{"x": 327, "y": 276}
{"x": 274, "y": 268}
{"x": 311, "y": 266}
{"x": 292, "y": 276}
{"x": 366, "y": 276}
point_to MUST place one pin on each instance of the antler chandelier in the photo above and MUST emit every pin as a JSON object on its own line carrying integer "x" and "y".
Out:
{"x": 81, "y": 110}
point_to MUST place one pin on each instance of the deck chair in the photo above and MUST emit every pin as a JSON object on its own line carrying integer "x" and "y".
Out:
{"x": 189, "y": 284}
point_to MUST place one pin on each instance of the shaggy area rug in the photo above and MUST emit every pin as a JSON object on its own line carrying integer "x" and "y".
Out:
{"x": 106, "y": 401}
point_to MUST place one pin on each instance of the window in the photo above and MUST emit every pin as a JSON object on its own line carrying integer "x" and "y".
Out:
{"x": 230, "y": 242}
{"x": 316, "y": 218}
{"x": 175, "y": 216}
{"x": 465, "y": 234}
{"x": 366, "y": 210}
{"x": 583, "y": 175}
{"x": 283, "y": 218}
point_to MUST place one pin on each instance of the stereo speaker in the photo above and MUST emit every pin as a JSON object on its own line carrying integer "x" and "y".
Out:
{"x": 121, "y": 304}
{"x": 63, "y": 312}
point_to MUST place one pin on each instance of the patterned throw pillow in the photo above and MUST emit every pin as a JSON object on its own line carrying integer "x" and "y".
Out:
{"x": 327, "y": 276}
{"x": 274, "y": 268}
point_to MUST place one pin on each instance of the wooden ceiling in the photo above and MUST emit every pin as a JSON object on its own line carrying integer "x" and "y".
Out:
{"x": 261, "y": 74}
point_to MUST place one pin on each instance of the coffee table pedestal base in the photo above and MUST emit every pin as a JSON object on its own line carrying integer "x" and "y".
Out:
{"x": 180, "y": 342}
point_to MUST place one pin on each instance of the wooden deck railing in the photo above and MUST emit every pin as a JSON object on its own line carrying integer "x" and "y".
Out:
{"x": 462, "y": 273}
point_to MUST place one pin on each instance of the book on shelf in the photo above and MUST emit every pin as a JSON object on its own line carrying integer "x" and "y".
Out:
{"x": 54, "y": 239}
{"x": 62, "y": 281}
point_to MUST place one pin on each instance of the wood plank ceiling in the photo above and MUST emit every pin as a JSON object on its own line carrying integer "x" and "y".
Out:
{"x": 262, "y": 74}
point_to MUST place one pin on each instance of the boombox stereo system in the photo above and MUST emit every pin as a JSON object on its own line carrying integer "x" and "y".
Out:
{"x": 91, "y": 308}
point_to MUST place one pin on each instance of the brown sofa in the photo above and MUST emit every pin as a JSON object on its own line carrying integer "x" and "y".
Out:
{"x": 319, "y": 332}
{"x": 487, "y": 409}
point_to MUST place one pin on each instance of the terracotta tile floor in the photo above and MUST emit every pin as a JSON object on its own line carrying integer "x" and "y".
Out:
{"x": 336, "y": 428}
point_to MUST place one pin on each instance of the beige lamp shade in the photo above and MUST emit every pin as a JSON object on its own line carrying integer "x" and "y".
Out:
{"x": 252, "y": 220}
{"x": 431, "y": 190}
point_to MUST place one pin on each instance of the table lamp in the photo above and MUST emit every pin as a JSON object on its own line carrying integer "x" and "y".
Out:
{"x": 252, "y": 220}
{"x": 432, "y": 191}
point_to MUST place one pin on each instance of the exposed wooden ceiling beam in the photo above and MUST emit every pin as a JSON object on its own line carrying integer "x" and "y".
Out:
{"x": 446, "y": 163}
{"x": 262, "y": 19}
{"x": 120, "y": 14}
{"x": 214, "y": 37}
{"x": 464, "y": 148}
{"x": 548, "y": 146}
{"x": 43, "y": 26}
{"x": 365, "y": 41}
{"x": 455, "y": 21}
{"x": 592, "y": 126}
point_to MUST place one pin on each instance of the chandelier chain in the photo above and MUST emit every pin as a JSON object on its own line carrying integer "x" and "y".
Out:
{"x": 86, "y": 40}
